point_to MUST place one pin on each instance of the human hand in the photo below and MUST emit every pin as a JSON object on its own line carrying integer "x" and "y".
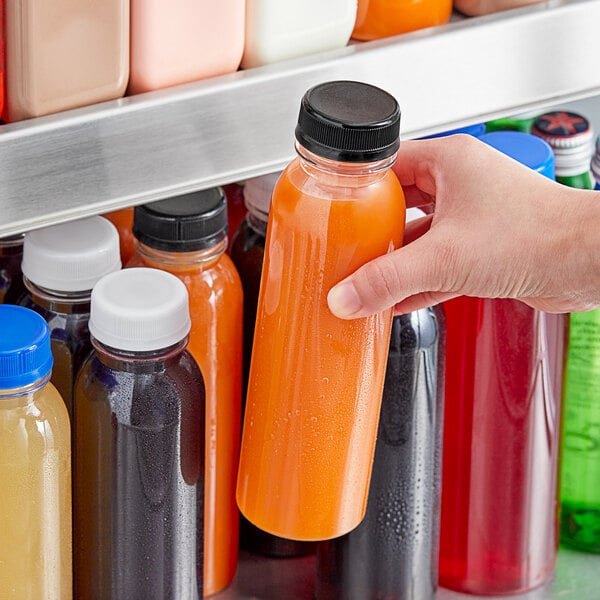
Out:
{"x": 499, "y": 230}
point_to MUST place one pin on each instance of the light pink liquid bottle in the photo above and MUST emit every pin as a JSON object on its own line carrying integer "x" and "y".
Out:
{"x": 184, "y": 40}
{"x": 64, "y": 54}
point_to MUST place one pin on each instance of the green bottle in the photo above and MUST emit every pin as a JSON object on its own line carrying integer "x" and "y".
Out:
{"x": 521, "y": 122}
{"x": 571, "y": 137}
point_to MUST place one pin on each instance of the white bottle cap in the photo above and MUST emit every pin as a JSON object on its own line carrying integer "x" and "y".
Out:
{"x": 71, "y": 257}
{"x": 258, "y": 192}
{"x": 139, "y": 310}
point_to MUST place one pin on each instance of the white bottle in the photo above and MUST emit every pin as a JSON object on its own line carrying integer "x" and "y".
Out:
{"x": 281, "y": 29}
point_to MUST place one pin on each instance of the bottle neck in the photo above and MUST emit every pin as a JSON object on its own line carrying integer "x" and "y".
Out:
{"x": 148, "y": 361}
{"x": 181, "y": 261}
{"x": 348, "y": 174}
{"x": 22, "y": 395}
{"x": 59, "y": 302}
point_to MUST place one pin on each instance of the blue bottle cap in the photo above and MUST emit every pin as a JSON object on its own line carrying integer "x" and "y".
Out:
{"x": 25, "y": 354}
{"x": 476, "y": 130}
{"x": 530, "y": 150}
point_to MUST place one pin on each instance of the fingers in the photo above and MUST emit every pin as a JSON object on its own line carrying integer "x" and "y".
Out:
{"x": 410, "y": 272}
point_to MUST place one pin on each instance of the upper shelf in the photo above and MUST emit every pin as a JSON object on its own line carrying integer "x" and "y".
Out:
{"x": 228, "y": 128}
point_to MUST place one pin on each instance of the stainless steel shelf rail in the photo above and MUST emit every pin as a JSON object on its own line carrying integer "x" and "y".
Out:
{"x": 226, "y": 129}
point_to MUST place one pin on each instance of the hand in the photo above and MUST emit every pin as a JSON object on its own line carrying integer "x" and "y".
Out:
{"x": 498, "y": 230}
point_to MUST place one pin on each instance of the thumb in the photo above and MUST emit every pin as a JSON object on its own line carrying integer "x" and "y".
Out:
{"x": 407, "y": 279}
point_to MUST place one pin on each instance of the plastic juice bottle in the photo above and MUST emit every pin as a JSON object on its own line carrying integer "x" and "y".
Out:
{"x": 183, "y": 41}
{"x": 123, "y": 220}
{"x": 11, "y": 278}
{"x": 501, "y": 431}
{"x": 247, "y": 253}
{"x": 139, "y": 439}
{"x": 316, "y": 381}
{"x": 236, "y": 211}
{"x": 61, "y": 265}
{"x": 571, "y": 137}
{"x": 278, "y": 30}
{"x": 187, "y": 236}
{"x": 35, "y": 464}
{"x": 521, "y": 122}
{"x": 64, "y": 54}
{"x": 393, "y": 553}
{"x": 384, "y": 18}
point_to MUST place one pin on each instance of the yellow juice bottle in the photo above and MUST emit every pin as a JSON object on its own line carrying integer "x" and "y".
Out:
{"x": 35, "y": 464}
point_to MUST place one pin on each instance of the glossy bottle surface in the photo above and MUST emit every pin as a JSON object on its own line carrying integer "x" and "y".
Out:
{"x": 123, "y": 221}
{"x": 580, "y": 459}
{"x": 11, "y": 278}
{"x": 383, "y": 18}
{"x": 63, "y": 54}
{"x": 183, "y": 40}
{"x": 393, "y": 553}
{"x": 502, "y": 403}
{"x": 35, "y": 495}
{"x": 247, "y": 253}
{"x": 215, "y": 293}
{"x": 315, "y": 380}
{"x": 139, "y": 463}
{"x": 278, "y": 30}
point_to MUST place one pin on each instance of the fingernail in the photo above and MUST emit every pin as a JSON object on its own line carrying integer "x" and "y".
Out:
{"x": 343, "y": 300}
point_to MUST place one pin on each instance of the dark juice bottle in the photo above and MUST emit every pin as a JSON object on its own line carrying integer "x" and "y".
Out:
{"x": 61, "y": 264}
{"x": 11, "y": 278}
{"x": 393, "y": 553}
{"x": 571, "y": 137}
{"x": 501, "y": 431}
{"x": 139, "y": 439}
{"x": 247, "y": 253}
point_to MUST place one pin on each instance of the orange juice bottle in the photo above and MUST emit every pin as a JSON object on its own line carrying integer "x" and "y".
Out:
{"x": 383, "y": 18}
{"x": 122, "y": 219}
{"x": 316, "y": 381}
{"x": 187, "y": 236}
{"x": 35, "y": 464}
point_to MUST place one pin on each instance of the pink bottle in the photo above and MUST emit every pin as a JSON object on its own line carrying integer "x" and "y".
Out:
{"x": 183, "y": 40}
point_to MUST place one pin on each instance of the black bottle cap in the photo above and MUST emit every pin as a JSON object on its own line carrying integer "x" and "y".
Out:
{"x": 349, "y": 121}
{"x": 184, "y": 223}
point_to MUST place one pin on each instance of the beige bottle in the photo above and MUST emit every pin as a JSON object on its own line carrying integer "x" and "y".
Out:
{"x": 178, "y": 41}
{"x": 35, "y": 464}
{"x": 62, "y": 54}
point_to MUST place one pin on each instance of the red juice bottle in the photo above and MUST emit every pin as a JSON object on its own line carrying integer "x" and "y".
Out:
{"x": 501, "y": 431}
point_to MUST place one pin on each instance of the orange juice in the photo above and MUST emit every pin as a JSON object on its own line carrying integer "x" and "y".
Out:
{"x": 383, "y": 18}
{"x": 187, "y": 236}
{"x": 123, "y": 220}
{"x": 316, "y": 381}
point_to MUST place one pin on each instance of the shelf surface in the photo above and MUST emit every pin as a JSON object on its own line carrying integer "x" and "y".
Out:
{"x": 151, "y": 146}
{"x": 576, "y": 578}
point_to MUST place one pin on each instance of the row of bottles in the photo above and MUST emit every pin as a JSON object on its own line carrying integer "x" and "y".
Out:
{"x": 153, "y": 423}
{"x": 76, "y": 54}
